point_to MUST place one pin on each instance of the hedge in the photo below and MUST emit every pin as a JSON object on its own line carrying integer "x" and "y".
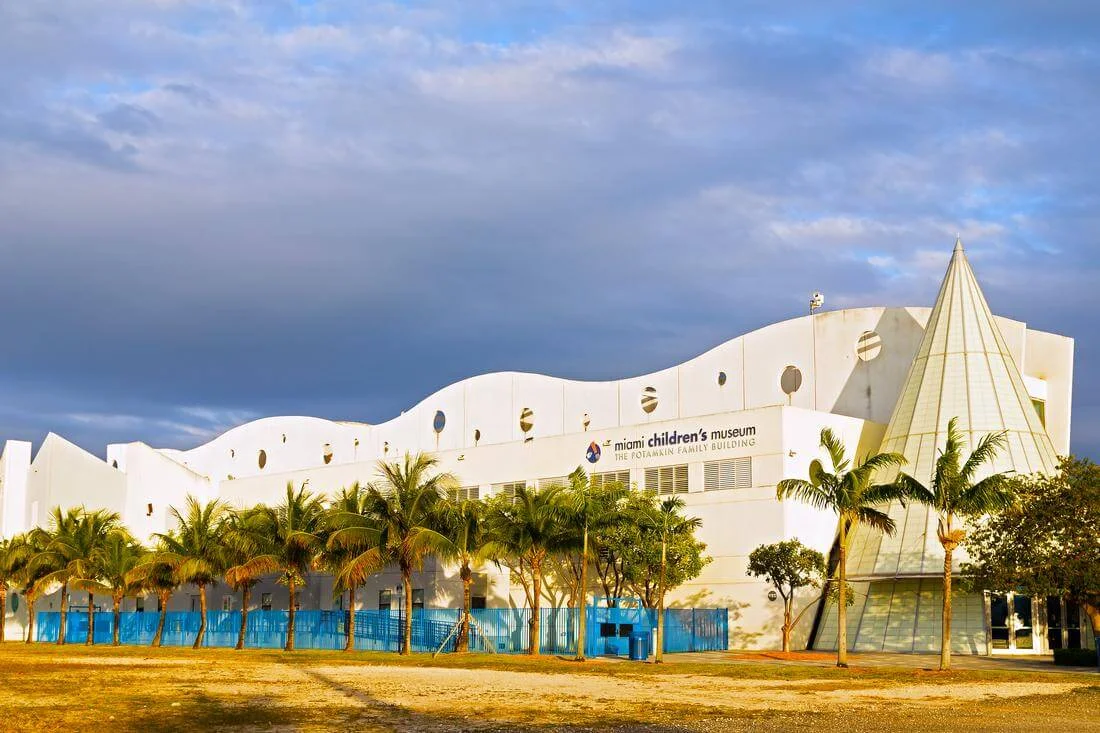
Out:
{"x": 1075, "y": 657}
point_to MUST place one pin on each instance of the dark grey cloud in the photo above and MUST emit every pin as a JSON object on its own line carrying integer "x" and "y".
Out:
{"x": 213, "y": 212}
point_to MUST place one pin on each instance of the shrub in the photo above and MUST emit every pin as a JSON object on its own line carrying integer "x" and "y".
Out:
{"x": 1075, "y": 657}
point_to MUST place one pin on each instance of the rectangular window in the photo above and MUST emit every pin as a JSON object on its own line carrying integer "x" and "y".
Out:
{"x": 418, "y": 598}
{"x": 1041, "y": 409}
{"x": 385, "y": 599}
{"x": 265, "y": 601}
{"x": 139, "y": 604}
{"x": 194, "y": 603}
{"x": 722, "y": 475}
{"x": 227, "y": 603}
{"x": 599, "y": 480}
{"x": 509, "y": 489}
{"x": 667, "y": 479}
{"x": 479, "y": 590}
{"x": 463, "y": 493}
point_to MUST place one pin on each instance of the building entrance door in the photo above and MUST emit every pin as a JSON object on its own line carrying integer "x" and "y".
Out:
{"x": 1063, "y": 624}
{"x": 1011, "y": 623}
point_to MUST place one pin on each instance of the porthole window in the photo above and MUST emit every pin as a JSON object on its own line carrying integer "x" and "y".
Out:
{"x": 586, "y": 421}
{"x": 868, "y": 346}
{"x": 326, "y": 453}
{"x": 721, "y": 379}
{"x": 649, "y": 400}
{"x": 385, "y": 447}
{"x": 791, "y": 380}
{"x": 477, "y": 435}
{"x": 261, "y": 460}
{"x": 526, "y": 419}
{"x": 439, "y": 421}
{"x": 284, "y": 437}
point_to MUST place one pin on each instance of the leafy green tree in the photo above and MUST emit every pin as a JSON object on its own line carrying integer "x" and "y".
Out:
{"x": 397, "y": 526}
{"x": 788, "y": 566}
{"x": 956, "y": 492}
{"x": 526, "y": 528}
{"x": 463, "y": 524}
{"x": 9, "y": 568}
{"x": 152, "y": 574}
{"x": 1045, "y": 542}
{"x": 72, "y": 545}
{"x": 293, "y": 537}
{"x": 348, "y": 507}
{"x": 114, "y": 562}
{"x": 591, "y": 509}
{"x": 193, "y": 551}
{"x": 849, "y": 490}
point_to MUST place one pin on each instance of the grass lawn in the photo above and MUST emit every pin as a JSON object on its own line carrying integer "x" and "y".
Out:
{"x": 45, "y": 687}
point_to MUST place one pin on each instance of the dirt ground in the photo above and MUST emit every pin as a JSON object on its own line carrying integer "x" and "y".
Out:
{"x": 73, "y": 688}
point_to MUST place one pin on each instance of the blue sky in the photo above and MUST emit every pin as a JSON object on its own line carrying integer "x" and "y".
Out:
{"x": 213, "y": 211}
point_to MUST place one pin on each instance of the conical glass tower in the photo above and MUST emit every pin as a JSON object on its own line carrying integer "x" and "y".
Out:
{"x": 962, "y": 369}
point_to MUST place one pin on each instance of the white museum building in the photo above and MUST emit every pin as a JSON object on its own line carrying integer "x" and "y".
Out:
{"x": 720, "y": 429}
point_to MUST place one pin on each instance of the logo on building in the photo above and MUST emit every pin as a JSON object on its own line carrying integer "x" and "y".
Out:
{"x": 593, "y": 452}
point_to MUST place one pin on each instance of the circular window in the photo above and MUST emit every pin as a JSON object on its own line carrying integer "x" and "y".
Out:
{"x": 477, "y": 435}
{"x": 869, "y": 346}
{"x": 586, "y": 421}
{"x": 439, "y": 421}
{"x": 261, "y": 460}
{"x": 791, "y": 380}
{"x": 326, "y": 453}
{"x": 721, "y": 379}
{"x": 649, "y": 400}
{"x": 526, "y": 419}
{"x": 385, "y": 447}
{"x": 232, "y": 453}
{"x": 284, "y": 437}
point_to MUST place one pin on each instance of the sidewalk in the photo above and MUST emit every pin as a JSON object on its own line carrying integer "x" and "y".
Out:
{"x": 1038, "y": 663}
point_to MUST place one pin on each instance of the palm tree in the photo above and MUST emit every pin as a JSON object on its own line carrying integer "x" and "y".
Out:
{"x": 293, "y": 532}
{"x": 848, "y": 491}
{"x": 9, "y": 568}
{"x": 349, "y": 507}
{"x": 527, "y": 527}
{"x": 114, "y": 561}
{"x": 76, "y": 538}
{"x": 24, "y": 549}
{"x": 154, "y": 575}
{"x": 463, "y": 524}
{"x": 193, "y": 550}
{"x": 668, "y": 522}
{"x": 592, "y": 508}
{"x": 245, "y": 538}
{"x": 954, "y": 492}
{"x": 397, "y": 526}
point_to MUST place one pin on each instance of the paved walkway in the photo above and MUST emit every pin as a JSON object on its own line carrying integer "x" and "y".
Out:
{"x": 1037, "y": 663}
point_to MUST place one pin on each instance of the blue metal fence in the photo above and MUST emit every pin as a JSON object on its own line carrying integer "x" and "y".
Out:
{"x": 504, "y": 630}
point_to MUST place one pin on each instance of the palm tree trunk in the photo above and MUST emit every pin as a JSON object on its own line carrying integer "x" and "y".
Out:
{"x": 3, "y": 610}
{"x": 842, "y": 601}
{"x": 91, "y": 620}
{"x": 349, "y": 643}
{"x": 536, "y": 606}
{"x": 582, "y": 621}
{"x": 31, "y": 599}
{"x": 290, "y": 616}
{"x": 658, "y": 656}
{"x": 158, "y": 637}
{"x": 115, "y": 635}
{"x": 202, "y": 620}
{"x": 61, "y": 617}
{"x": 406, "y": 641}
{"x": 462, "y": 644}
{"x": 945, "y": 639}
{"x": 246, "y": 598}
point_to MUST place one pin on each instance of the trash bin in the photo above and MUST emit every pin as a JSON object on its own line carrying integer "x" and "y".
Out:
{"x": 639, "y": 647}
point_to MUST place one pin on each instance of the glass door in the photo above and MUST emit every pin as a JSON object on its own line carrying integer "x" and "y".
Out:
{"x": 1012, "y": 623}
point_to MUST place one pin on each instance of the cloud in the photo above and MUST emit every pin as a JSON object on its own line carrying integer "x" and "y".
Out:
{"x": 336, "y": 208}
